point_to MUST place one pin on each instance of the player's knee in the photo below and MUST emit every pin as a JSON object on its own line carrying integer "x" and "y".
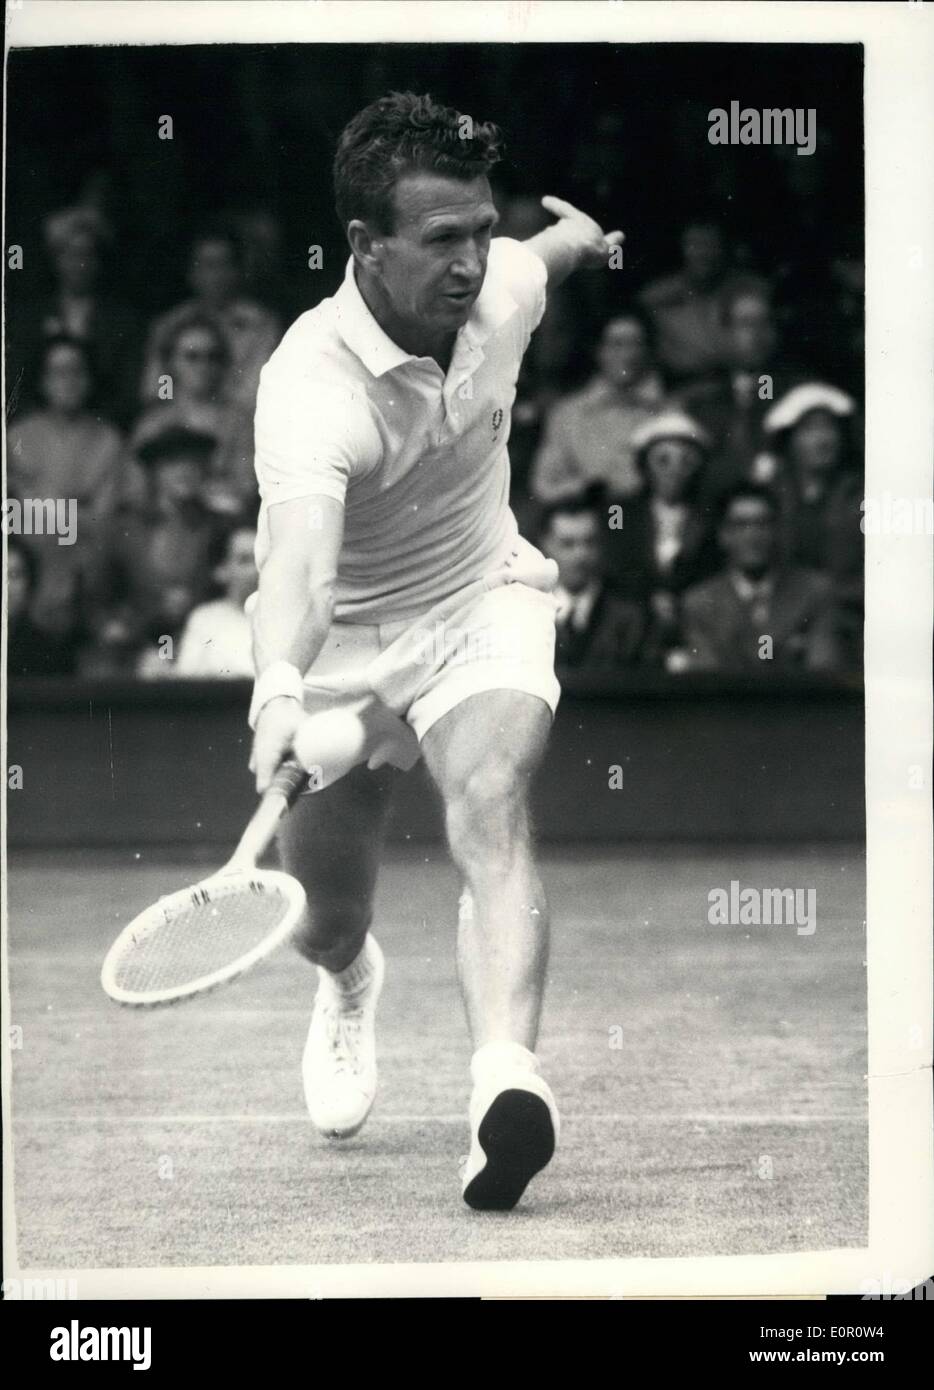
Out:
{"x": 331, "y": 921}
{"x": 486, "y": 811}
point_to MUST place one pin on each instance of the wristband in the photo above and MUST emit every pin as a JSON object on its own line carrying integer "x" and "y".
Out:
{"x": 279, "y": 679}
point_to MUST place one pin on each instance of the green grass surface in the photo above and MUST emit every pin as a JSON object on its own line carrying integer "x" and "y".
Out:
{"x": 177, "y": 1137}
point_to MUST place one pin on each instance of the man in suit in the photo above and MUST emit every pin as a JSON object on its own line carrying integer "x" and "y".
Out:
{"x": 756, "y": 611}
{"x": 596, "y": 630}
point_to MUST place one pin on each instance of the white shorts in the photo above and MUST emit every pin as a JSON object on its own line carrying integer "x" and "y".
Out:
{"x": 502, "y": 638}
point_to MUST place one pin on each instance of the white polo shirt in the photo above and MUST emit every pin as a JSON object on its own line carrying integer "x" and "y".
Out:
{"x": 418, "y": 458}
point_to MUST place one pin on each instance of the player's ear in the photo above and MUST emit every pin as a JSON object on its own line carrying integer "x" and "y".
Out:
{"x": 366, "y": 246}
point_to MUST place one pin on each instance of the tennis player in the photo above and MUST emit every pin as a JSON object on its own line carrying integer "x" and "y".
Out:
{"x": 382, "y": 424}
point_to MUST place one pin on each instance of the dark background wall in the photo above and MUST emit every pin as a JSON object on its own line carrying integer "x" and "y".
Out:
{"x": 621, "y": 127}
{"x": 166, "y": 764}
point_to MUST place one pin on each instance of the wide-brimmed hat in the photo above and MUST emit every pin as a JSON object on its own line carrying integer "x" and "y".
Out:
{"x": 800, "y": 400}
{"x": 177, "y": 441}
{"x": 670, "y": 424}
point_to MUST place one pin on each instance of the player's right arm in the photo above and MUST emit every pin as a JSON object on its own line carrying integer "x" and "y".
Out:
{"x": 292, "y": 616}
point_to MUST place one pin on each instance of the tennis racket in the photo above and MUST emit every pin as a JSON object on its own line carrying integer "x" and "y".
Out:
{"x": 213, "y": 931}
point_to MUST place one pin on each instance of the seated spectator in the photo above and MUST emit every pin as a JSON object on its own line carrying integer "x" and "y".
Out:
{"x": 732, "y": 404}
{"x": 31, "y": 649}
{"x": 168, "y": 614}
{"x": 66, "y": 451}
{"x": 758, "y": 613}
{"x": 164, "y": 548}
{"x": 76, "y": 306}
{"x": 196, "y": 359}
{"x": 597, "y": 631}
{"x": 217, "y": 639}
{"x": 588, "y": 436}
{"x": 685, "y": 306}
{"x": 113, "y": 641}
{"x": 820, "y": 494}
{"x": 271, "y": 275}
{"x": 665, "y": 543}
{"x": 253, "y": 332}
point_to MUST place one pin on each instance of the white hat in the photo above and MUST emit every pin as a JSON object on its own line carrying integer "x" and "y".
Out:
{"x": 793, "y": 406}
{"x": 670, "y": 424}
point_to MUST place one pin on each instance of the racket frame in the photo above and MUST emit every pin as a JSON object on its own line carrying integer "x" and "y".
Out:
{"x": 224, "y": 884}
{"x": 240, "y": 872}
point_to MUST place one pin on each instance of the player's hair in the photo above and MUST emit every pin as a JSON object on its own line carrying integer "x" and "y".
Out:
{"x": 400, "y": 133}
{"x": 588, "y": 501}
{"x": 739, "y": 492}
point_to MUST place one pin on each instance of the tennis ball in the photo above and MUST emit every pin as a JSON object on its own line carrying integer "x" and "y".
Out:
{"x": 329, "y": 744}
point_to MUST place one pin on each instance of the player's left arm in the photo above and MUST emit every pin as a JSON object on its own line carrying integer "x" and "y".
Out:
{"x": 574, "y": 242}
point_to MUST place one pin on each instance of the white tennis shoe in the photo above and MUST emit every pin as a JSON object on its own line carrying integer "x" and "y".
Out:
{"x": 339, "y": 1062}
{"x": 514, "y": 1128}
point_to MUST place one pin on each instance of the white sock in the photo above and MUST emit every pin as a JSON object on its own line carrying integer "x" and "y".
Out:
{"x": 354, "y": 977}
{"x": 496, "y": 1057}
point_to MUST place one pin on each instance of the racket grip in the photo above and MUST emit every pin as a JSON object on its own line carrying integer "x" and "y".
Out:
{"x": 290, "y": 779}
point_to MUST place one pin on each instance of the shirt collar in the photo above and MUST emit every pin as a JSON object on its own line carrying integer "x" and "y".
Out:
{"x": 377, "y": 351}
{"x": 577, "y": 607}
{"x": 360, "y": 331}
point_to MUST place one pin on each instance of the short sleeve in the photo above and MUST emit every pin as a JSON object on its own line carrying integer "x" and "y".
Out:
{"x": 311, "y": 438}
{"x": 523, "y": 276}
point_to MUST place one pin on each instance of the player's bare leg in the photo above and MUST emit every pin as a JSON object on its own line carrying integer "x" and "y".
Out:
{"x": 331, "y": 842}
{"x": 482, "y": 755}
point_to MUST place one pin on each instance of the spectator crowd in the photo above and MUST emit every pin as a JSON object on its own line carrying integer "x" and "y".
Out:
{"x": 700, "y": 489}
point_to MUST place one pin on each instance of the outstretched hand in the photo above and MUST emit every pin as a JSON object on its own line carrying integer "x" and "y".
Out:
{"x": 582, "y": 232}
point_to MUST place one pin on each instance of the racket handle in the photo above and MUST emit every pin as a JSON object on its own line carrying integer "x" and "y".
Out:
{"x": 290, "y": 779}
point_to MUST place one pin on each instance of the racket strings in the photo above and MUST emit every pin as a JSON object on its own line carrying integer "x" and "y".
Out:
{"x": 201, "y": 936}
